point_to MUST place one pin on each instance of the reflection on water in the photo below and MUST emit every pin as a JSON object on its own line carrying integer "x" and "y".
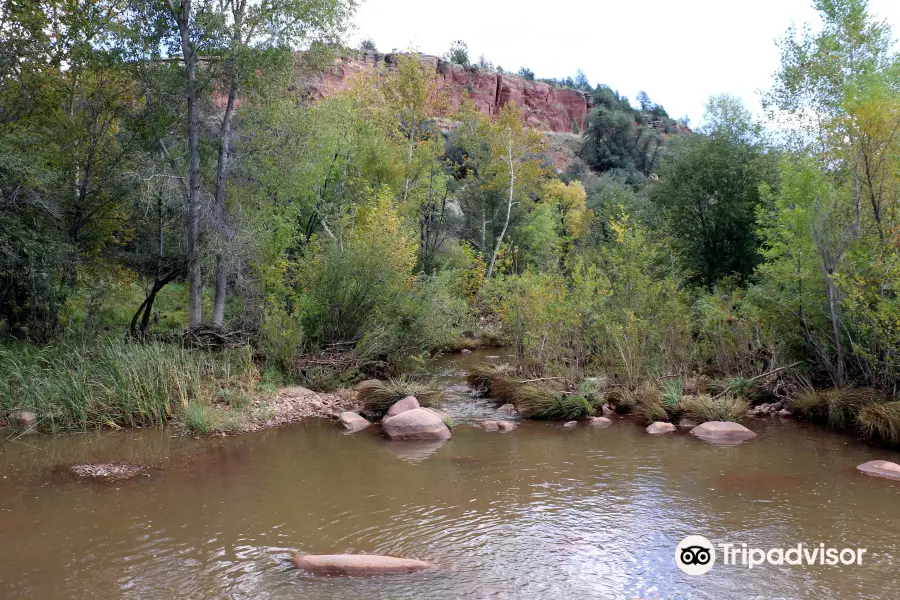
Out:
{"x": 540, "y": 512}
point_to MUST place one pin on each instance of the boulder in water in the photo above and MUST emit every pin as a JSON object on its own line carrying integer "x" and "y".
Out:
{"x": 659, "y": 428}
{"x": 352, "y": 422}
{"x": 686, "y": 424}
{"x": 24, "y": 419}
{"x": 722, "y": 432}
{"x": 570, "y": 424}
{"x": 498, "y": 425}
{"x": 599, "y": 421}
{"x": 408, "y": 403}
{"x": 357, "y": 564}
{"x": 508, "y": 409}
{"x": 881, "y": 468}
{"x": 416, "y": 424}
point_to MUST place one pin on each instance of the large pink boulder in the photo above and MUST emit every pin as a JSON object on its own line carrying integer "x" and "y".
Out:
{"x": 723, "y": 432}
{"x": 416, "y": 424}
{"x": 408, "y": 403}
{"x": 352, "y": 422}
{"x": 357, "y": 564}
{"x": 881, "y": 468}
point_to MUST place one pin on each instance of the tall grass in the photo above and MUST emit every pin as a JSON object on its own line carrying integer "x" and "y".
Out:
{"x": 706, "y": 408}
{"x": 115, "y": 382}
{"x": 837, "y": 407}
{"x": 649, "y": 405}
{"x": 880, "y": 422}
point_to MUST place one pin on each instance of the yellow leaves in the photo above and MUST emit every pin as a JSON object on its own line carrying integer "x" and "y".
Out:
{"x": 570, "y": 202}
{"x": 379, "y": 229}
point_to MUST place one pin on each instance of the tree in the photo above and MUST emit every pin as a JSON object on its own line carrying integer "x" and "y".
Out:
{"x": 708, "y": 194}
{"x": 526, "y": 74}
{"x": 459, "y": 53}
{"x": 644, "y": 101}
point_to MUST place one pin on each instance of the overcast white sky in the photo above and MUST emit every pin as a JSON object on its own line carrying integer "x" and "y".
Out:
{"x": 678, "y": 51}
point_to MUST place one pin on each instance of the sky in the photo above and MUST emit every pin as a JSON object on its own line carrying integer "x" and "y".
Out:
{"x": 679, "y": 51}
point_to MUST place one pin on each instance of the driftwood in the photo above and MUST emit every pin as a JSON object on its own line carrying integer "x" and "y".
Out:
{"x": 213, "y": 337}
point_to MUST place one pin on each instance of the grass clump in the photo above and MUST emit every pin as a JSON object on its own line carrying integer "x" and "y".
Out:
{"x": 880, "y": 422}
{"x": 751, "y": 390}
{"x": 378, "y": 396}
{"x": 481, "y": 376}
{"x": 621, "y": 399}
{"x": 672, "y": 390}
{"x": 706, "y": 408}
{"x": 838, "y": 408}
{"x": 649, "y": 405}
{"x": 538, "y": 402}
{"x": 116, "y": 383}
{"x": 809, "y": 405}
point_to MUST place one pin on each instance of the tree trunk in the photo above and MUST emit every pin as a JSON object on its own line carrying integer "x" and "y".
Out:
{"x": 195, "y": 282}
{"x": 221, "y": 214}
{"x": 509, "y": 205}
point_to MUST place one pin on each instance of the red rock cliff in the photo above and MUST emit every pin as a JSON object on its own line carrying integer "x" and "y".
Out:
{"x": 543, "y": 107}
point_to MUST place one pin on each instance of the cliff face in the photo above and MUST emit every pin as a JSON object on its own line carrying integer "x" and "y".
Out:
{"x": 543, "y": 107}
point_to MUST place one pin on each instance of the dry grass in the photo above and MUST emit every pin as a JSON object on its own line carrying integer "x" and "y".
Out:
{"x": 377, "y": 396}
{"x": 621, "y": 399}
{"x": 649, "y": 406}
{"x": 534, "y": 399}
{"x": 706, "y": 408}
{"x": 837, "y": 407}
{"x": 481, "y": 376}
{"x": 880, "y": 422}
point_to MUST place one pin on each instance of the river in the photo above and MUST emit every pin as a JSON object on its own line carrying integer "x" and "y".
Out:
{"x": 540, "y": 512}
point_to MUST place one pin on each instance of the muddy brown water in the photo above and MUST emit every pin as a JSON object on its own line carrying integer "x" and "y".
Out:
{"x": 541, "y": 512}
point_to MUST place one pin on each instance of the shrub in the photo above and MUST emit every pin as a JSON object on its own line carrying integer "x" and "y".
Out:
{"x": 880, "y": 422}
{"x": 706, "y": 408}
{"x": 672, "y": 391}
{"x": 377, "y": 396}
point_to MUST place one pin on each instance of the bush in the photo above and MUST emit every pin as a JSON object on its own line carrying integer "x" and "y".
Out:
{"x": 880, "y": 422}
{"x": 706, "y": 408}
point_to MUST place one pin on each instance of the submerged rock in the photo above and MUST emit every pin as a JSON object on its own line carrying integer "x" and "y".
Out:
{"x": 400, "y": 406}
{"x": 881, "y": 468}
{"x": 416, "y": 424}
{"x": 599, "y": 421}
{"x": 659, "y": 428}
{"x": 24, "y": 419}
{"x": 108, "y": 472}
{"x": 352, "y": 422}
{"x": 498, "y": 425}
{"x": 508, "y": 409}
{"x": 465, "y": 351}
{"x": 686, "y": 424}
{"x": 722, "y": 432}
{"x": 570, "y": 424}
{"x": 358, "y": 564}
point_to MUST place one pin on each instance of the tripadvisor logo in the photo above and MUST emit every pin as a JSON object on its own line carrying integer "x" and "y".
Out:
{"x": 695, "y": 555}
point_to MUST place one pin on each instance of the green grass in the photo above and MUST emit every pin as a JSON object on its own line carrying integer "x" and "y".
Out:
{"x": 538, "y": 402}
{"x": 116, "y": 383}
{"x": 706, "y": 408}
{"x": 672, "y": 391}
{"x": 377, "y": 396}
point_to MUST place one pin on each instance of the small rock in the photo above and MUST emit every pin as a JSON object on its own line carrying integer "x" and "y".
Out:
{"x": 686, "y": 424}
{"x": 570, "y": 424}
{"x": 724, "y": 432}
{"x": 599, "y": 421}
{"x": 881, "y": 468}
{"x": 784, "y": 413}
{"x": 465, "y": 351}
{"x": 659, "y": 428}
{"x": 507, "y": 409}
{"x": 777, "y": 406}
{"x": 24, "y": 419}
{"x": 416, "y": 424}
{"x": 408, "y": 403}
{"x": 607, "y": 411}
{"x": 358, "y": 564}
{"x": 352, "y": 422}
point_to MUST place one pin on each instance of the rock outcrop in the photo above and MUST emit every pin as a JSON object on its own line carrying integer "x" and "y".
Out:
{"x": 881, "y": 468}
{"x": 358, "y": 564}
{"x": 544, "y": 107}
{"x": 418, "y": 424}
{"x": 722, "y": 432}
